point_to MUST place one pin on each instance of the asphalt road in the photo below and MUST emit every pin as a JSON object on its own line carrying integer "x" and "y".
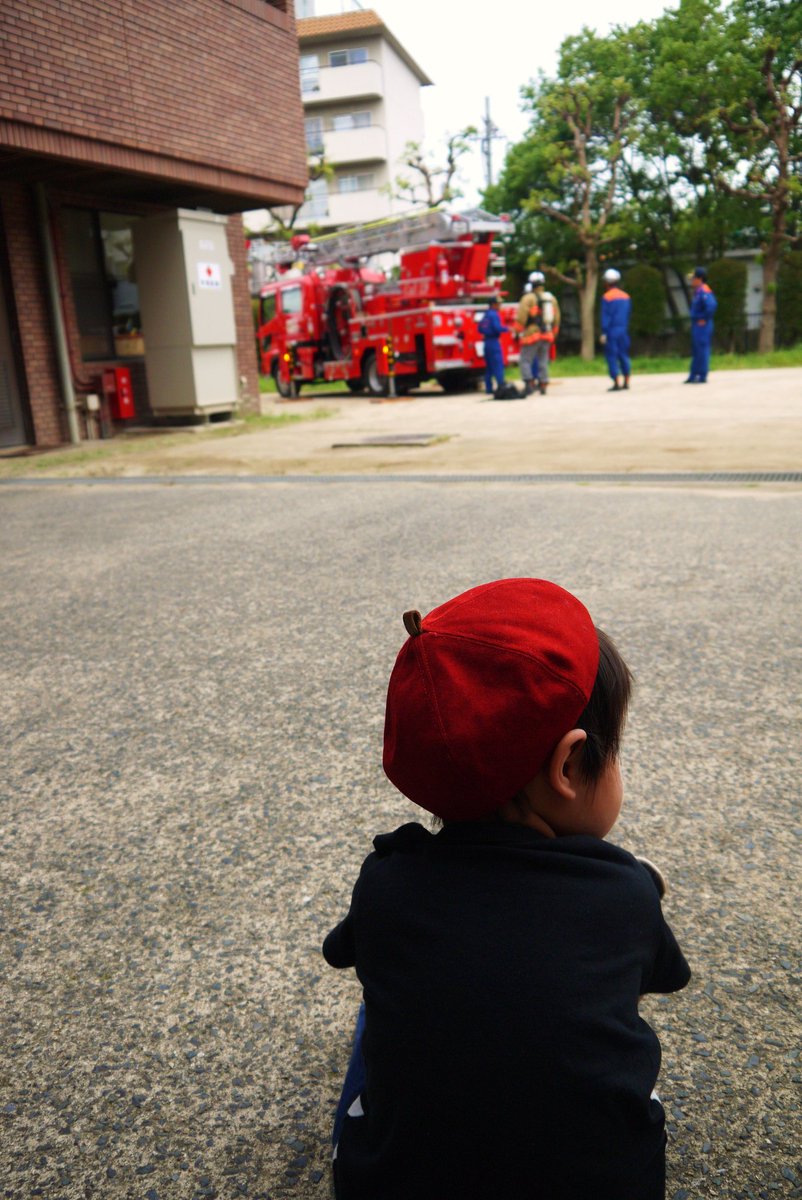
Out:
{"x": 191, "y": 706}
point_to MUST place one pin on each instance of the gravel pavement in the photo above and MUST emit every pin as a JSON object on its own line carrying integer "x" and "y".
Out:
{"x": 191, "y": 708}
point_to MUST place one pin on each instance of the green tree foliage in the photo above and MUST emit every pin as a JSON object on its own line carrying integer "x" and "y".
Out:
{"x": 647, "y": 288}
{"x": 567, "y": 171}
{"x": 727, "y": 277}
{"x": 789, "y": 299}
{"x": 677, "y": 139}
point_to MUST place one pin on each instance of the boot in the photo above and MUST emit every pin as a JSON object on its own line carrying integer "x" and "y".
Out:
{"x": 530, "y": 387}
{"x": 615, "y": 387}
{"x": 543, "y": 387}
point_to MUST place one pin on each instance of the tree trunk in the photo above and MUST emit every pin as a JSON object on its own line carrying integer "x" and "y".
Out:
{"x": 768, "y": 317}
{"x": 587, "y": 305}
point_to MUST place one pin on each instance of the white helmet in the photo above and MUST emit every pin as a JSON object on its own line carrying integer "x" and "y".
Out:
{"x": 611, "y": 275}
{"x": 537, "y": 277}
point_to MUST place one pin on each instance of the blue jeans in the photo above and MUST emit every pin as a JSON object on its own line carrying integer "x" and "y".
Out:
{"x": 354, "y": 1078}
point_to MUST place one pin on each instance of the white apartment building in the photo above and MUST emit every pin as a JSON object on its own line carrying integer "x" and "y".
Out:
{"x": 361, "y": 95}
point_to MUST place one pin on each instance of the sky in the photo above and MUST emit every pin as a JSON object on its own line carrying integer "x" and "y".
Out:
{"x": 490, "y": 50}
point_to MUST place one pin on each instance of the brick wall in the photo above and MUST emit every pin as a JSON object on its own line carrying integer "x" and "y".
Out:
{"x": 246, "y": 338}
{"x": 30, "y": 298}
{"x": 187, "y": 88}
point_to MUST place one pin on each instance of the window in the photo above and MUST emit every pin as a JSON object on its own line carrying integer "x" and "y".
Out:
{"x": 314, "y": 134}
{"x": 268, "y": 307}
{"x": 355, "y": 183}
{"x": 100, "y": 258}
{"x": 354, "y": 120}
{"x": 291, "y": 300}
{"x": 347, "y": 58}
{"x": 317, "y": 200}
{"x": 310, "y": 73}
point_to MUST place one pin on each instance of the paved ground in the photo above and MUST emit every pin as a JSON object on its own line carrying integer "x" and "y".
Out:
{"x": 739, "y": 420}
{"x": 191, "y": 694}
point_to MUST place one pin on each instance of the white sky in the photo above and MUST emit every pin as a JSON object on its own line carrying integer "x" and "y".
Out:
{"x": 473, "y": 51}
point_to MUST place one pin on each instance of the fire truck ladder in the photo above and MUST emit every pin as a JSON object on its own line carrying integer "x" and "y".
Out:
{"x": 401, "y": 233}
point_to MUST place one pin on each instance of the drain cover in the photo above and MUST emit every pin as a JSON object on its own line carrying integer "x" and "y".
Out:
{"x": 395, "y": 439}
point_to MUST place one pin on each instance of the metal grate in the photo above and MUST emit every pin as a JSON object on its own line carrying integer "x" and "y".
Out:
{"x": 714, "y": 477}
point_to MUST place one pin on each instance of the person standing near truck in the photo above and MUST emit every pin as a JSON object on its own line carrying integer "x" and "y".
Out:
{"x": 548, "y": 320}
{"x": 616, "y": 307}
{"x": 491, "y": 330}
{"x": 703, "y": 306}
{"x": 527, "y": 321}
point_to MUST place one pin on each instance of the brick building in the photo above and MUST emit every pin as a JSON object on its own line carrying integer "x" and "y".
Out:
{"x": 128, "y": 134}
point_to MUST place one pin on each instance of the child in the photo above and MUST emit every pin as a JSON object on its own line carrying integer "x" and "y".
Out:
{"x": 499, "y": 1051}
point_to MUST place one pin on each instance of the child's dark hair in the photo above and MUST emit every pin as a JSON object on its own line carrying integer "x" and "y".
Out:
{"x": 606, "y": 710}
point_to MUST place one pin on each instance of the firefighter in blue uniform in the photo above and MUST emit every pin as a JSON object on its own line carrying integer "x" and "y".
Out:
{"x": 491, "y": 330}
{"x": 703, "y": 306}
{"x": 616, "y": 307}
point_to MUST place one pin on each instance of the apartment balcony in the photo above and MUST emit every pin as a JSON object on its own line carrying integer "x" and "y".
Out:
{"x": 331, "y": 85}
{"x": 366, "y": 144}
{"x": 344, "y": 208}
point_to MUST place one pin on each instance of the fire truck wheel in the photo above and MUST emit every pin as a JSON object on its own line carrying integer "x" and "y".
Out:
{"x": 375, "y": 383}
{"x": 283, "y": 385}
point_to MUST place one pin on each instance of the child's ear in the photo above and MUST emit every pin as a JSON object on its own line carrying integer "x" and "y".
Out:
{"x": 563, "y": 765}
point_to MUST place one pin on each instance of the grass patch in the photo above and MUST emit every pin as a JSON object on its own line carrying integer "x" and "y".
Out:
{"x": 641, "y": 365}
{"x": 118, "y": 449}
{"x": 267, "y": 386}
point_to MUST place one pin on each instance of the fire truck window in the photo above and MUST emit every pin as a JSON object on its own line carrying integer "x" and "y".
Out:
{"x": 290, "y": 300}
{"x": 268, "y": 308}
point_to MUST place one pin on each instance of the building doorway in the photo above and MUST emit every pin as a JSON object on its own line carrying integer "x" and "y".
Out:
{"x": 12, "y": 421}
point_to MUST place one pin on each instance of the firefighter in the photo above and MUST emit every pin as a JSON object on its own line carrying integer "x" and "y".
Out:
{"x": 548, "y": 320}
{"x": 616, "y": 307}
{"x": 491, "y": 330}
{"x": 703, "y": 306}
{"x": 526, "y": 320}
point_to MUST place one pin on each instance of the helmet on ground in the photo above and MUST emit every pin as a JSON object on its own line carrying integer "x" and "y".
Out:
{"x": 537, "y": 277}
{"x": 611, "y": 275}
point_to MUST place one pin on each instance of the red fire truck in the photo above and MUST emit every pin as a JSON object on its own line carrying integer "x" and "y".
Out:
{"x": 328, "y": 316}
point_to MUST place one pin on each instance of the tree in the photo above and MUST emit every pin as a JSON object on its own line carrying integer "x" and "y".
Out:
{"x": 763, "y": 115}
{"x": 435, "y": 179}
{"x": 568, "y": 170}
{"x": 730, "y": 122}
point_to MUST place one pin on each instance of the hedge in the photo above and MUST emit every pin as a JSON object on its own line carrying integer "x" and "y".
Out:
{"x": 727, "y": 277}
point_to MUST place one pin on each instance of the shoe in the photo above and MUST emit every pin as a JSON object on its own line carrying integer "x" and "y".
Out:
{"x": 689, "y": 380}
{"x": 615, "y": 388}
{"x": 543, "y": 387}
{"x": 626, "y": 384}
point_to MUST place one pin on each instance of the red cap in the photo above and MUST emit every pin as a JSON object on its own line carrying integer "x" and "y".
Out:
{"x": 482, "y": 691}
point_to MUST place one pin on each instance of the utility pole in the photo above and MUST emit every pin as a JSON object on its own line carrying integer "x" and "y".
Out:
{"x": 490, "y": 133}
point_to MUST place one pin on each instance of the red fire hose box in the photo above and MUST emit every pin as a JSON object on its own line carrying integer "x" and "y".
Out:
{"x": 118, "y": 393}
